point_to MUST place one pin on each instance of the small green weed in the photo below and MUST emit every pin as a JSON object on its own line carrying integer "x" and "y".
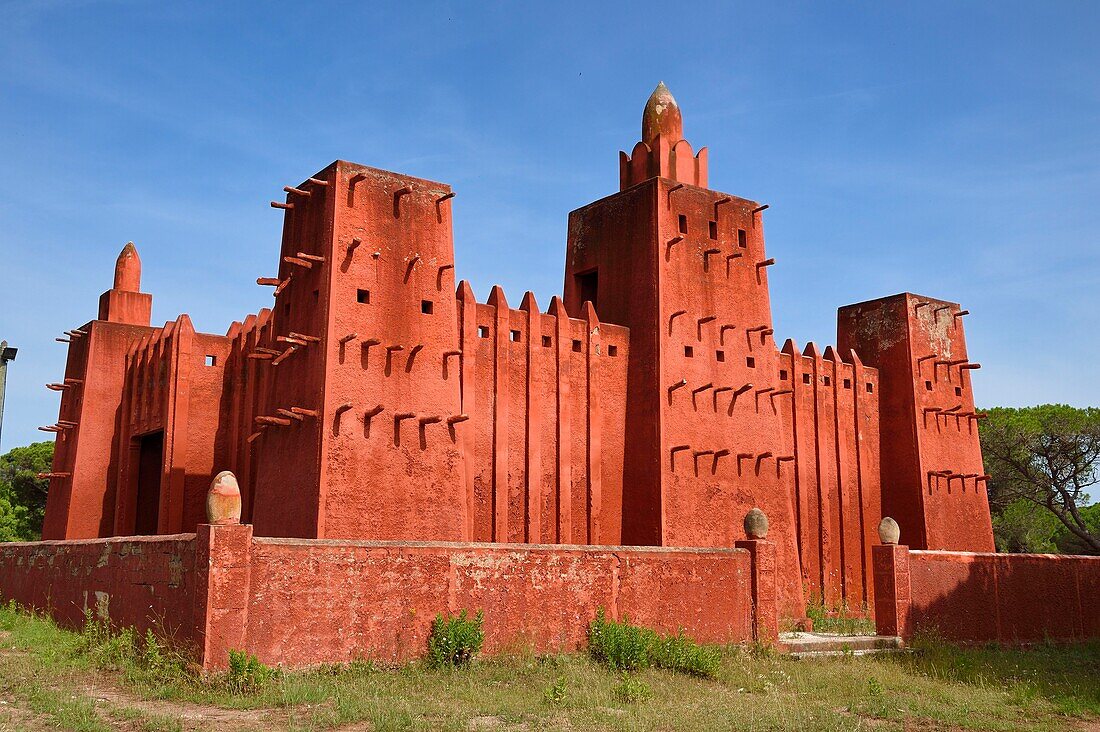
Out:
{"x": 631, "y": 689}
{"x": 555, "y": 693}
{"x": 246, "y": 673}
{"x": 455, "y": 640}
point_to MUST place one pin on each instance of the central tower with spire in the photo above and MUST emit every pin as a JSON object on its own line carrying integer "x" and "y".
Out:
{"x": 707, "y": 415}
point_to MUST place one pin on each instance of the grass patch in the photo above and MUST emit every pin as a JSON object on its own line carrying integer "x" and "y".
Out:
{"x": 53, "y": 673}
{"x": 623, "y": 646}
{"x": 839, "y": 620}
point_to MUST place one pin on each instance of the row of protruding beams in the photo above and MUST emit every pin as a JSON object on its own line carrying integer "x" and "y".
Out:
{"x": 717, "y": 454}
{"x": 735, "y": 392}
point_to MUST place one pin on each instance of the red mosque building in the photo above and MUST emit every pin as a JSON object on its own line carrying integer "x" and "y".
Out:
{"x": 651, "y": 404}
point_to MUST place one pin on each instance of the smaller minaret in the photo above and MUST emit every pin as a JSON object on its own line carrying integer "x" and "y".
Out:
{"x": 125, "y": 303}
{"x": 663, "y": 151}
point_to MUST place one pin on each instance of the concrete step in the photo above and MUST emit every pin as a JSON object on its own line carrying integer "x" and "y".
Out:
{"x": 824, "y": 645}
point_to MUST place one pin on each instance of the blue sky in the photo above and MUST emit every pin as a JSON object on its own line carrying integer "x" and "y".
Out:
{"x": 949, "y": 149}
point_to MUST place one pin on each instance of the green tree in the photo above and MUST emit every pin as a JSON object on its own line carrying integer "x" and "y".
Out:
{"x": 1047, "y": 457}
{"x": 22, "y": 492}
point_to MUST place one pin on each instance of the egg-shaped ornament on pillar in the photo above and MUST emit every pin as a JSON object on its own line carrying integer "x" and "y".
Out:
{"x": 223, "y": 501}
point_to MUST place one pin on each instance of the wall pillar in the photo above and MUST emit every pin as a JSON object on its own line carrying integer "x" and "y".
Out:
{"x": 223, "y": 570}
{"x": 890, "y": 563}
{"x": 765, "y": 605}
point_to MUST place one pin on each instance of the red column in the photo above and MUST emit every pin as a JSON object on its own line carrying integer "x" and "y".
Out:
{"x": 765, "y": 607}
{"x": 890, "y": 563}
{"x": 223, "y": 559}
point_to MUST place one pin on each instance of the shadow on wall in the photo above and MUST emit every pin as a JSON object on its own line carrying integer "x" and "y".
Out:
{"x": 1007, "y": 598}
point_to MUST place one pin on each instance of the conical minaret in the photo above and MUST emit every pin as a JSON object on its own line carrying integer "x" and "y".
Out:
{"x": 125, "y": 302}
{"x": 663, "y": 151}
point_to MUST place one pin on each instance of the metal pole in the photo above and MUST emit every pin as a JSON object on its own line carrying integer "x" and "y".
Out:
{"x": 6, "y": 354}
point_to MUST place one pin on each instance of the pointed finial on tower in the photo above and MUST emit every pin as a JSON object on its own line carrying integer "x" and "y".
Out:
{"x": 662, "y": 117}
{"x": 128, "y": 269}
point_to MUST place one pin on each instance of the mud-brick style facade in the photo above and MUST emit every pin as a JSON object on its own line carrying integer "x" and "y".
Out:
{"x": 651, "y": 405}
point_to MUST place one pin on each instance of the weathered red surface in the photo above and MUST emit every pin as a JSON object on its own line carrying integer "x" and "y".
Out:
{"x": 142, "y": 581}
{"x": 650, "y": 404}
{"x": 976, "y": 597}
{"x": 316, "y": 601}
{"x": 300, "y": 602}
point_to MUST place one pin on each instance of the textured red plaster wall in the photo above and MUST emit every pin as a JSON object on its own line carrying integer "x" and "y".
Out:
{"x": 338, "y": 601}
{"x": 535, "y": 392}
{"x": 144, "y": 582}
{"x": 83, "y": 505}
{"x": 1005, "y": 597}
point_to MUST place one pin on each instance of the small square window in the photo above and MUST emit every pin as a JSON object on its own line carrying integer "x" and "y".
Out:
{"x": 689, "y": 352}
{"x": 720, "y": 355}
{"x": 576, "y": 346}
{"x": 751, "y": 362}
{"x": 870, "y": 387}
{"x": 427, "y": 307}
{"x": 362, "y": 296}
{"x": 928, "y": 386}
{"x": 742, "y": 239}
{"x": 958, "y": 391}
{"x": 683, "y": 220}
{"x": 612, "y": 350}
{"x": 547, "y": 341}
{"x": 782, "y": 375}
{"x": 211, "y": 360}
{"x": 713, "y": 229}
{"x": 847, "y": 383}
{"x": 316, "y": 296}
{"x": 805, "y": 378}
{"x": 828, "y": 381}
{"x": 513, "y": 335}
{"x": 483, "y": 331}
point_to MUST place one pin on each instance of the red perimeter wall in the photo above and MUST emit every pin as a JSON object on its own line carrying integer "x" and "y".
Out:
{"x": 139, "y": 581}
{"x": 299, "y": 602}
{"x": 972, "y": 597}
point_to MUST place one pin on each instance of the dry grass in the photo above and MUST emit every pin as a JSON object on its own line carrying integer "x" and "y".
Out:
{"x": 51, "y": 678}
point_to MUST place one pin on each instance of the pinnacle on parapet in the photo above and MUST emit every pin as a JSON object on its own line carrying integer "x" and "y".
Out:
{"x": 128, "y": 269}
{"x": 662, "y": 117}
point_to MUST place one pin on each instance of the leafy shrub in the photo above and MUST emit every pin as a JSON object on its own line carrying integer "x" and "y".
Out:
{"x": 455, "y": 640}
{"x": 246, "y": 673}
{"x": 628, "y": 647}
{"x": 631, "y": 689}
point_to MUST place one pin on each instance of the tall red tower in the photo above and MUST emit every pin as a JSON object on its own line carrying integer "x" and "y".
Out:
{"x": 708, "y": 409}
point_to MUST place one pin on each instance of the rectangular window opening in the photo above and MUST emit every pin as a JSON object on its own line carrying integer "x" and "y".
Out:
{"x": 483, "y": 331}
{"x": 612, "y": 350}
{"x": 805, "y": 378}
{"x": 713, "y": 229}
{"x": 588, "y": 286}
{"x": 576, "y": 346}
{"x": 828, "y": 381}
{"x": 513, "y": 335}
{"x": 782, "y": 375}
{"x": 958, "y": 391}
{"x": 720, "y": 355}
{"x": 427, "y": 307}
{"x": 928, "y": 386}
{"x": 689, "y": 352}
{"x": 847, "y": 383}
{"x": 547, "y": 341}
{"x": 751, "y": 362}
{"x": 742, "y": 239}
{"x": 683, "y": 223}
{"x": 211, "y": 360}
{"x": 870, "y": 387}
{"x": 362, "y": 296}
